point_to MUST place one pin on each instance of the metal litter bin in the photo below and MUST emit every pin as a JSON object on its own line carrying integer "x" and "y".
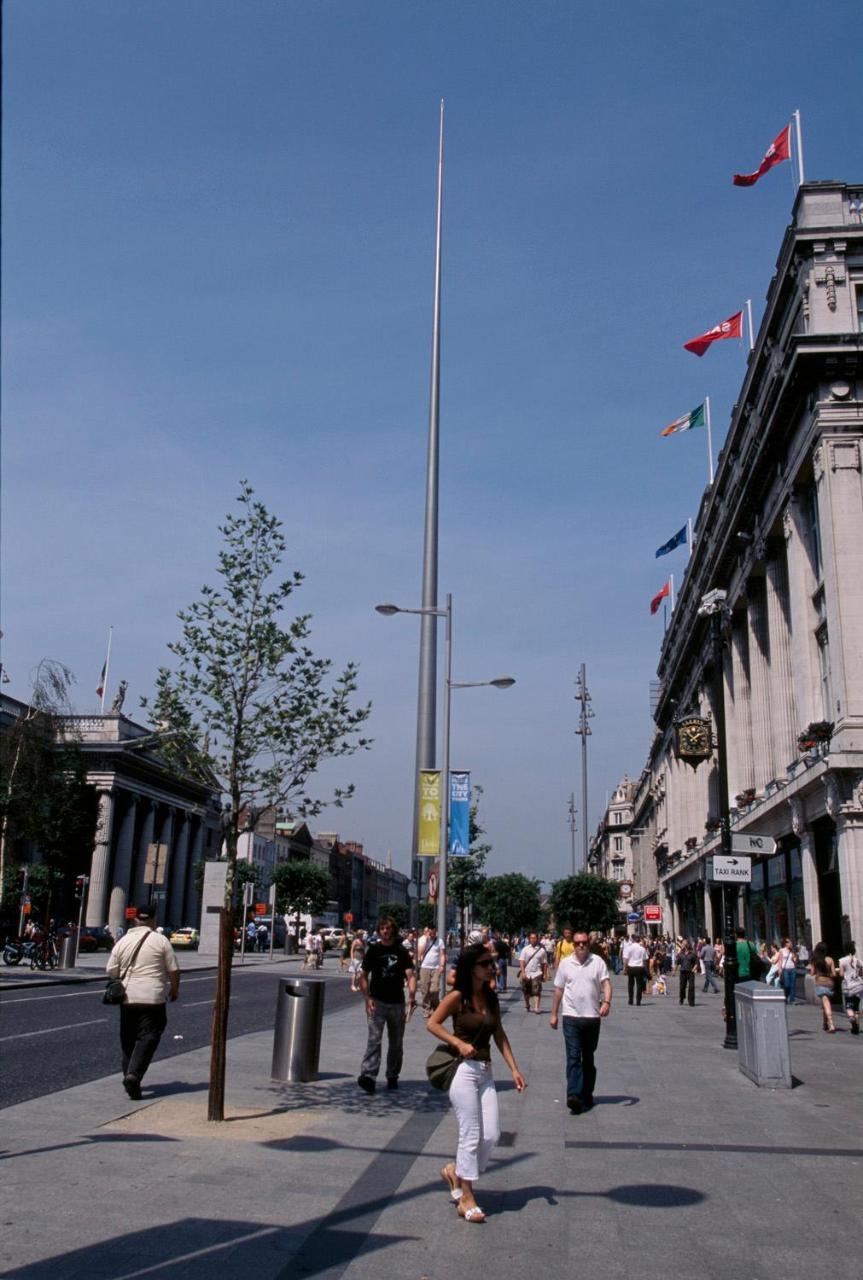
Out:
{"x": 762, "y": 1035}
{"x": 68, "y": 951}
{"x": 297, "y": 1041}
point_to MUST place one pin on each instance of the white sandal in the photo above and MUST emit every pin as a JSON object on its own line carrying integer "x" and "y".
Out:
{"x": 474, "y": 1214}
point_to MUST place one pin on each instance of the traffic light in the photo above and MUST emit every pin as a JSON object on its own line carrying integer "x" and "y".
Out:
{"x": 81, "y": 883}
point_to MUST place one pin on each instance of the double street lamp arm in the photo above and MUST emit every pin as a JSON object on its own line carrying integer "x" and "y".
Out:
{"x": 501, "y": 682}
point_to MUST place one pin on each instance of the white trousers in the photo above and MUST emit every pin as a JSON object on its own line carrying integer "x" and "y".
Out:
{"x": 474, "y": 1101}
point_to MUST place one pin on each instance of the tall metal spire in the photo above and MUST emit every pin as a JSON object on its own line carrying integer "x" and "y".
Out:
{"x": 427, "y": 692}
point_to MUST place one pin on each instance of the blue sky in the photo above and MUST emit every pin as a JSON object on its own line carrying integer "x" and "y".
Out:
{"x": 217, "y": 259}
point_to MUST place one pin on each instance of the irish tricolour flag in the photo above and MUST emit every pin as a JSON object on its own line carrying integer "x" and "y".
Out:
{"x": 686, "y": 422}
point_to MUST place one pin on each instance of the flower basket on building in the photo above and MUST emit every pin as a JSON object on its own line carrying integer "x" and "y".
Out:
{"x": 744, "y": 798}
{"x": 691, "y": 842}
{"x": 713, "y": 824}
{"x": 818, "y": 732}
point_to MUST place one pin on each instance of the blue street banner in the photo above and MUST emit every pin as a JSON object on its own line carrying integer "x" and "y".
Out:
{"x": 459, "y": 814}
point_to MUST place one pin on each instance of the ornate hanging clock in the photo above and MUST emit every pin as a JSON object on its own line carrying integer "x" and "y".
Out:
{"x": 693, "y": 739}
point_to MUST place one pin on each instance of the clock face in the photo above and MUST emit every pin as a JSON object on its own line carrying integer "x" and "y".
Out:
{"x": 693, "y": 738}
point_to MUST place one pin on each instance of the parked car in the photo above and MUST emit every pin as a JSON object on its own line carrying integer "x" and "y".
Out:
{"x": 333, "y": 937}
{"x": 186, "y": 937}
{"x": 95, "y": 938}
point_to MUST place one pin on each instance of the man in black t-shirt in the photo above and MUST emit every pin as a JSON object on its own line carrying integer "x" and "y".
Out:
{"x": 386, "y": 965}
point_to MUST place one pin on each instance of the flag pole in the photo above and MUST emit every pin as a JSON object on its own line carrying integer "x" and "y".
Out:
{"x": 749, "y": 319}
{"x": 107, "y": 671}
{"x": 709, "y": 437}
{"x": 798, "y": 133}
{"x": 671, "y": 580}
{"x": 689, "y": 535}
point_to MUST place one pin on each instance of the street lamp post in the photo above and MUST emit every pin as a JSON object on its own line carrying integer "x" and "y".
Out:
{"x": 713, "y": 607}
{"x": 501, "y": 682}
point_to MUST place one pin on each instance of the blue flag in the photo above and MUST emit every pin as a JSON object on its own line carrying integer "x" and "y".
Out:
{"x": 677, "y": 541}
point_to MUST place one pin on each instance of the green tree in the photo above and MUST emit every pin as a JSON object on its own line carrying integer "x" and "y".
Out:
{"x": 249, "y": 706}
{"x": 426, "y": 914}
{"x": 301, "y": 888}
{"x": 585, "y": 902}
{"x": 397, "y": 910}
{"x": 510, "y": 902}
{"x": 465, "y": 875}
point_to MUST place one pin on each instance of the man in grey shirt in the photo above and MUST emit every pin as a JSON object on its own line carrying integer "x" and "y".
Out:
{"x": 145, "y": 962}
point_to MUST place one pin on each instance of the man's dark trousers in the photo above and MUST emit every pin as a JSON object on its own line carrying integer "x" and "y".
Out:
{"x": 687, "y": 985}
{"x": 141, "y": 1027}
{"x": 581, "y": 1036}
{"x": 635, "y": 983}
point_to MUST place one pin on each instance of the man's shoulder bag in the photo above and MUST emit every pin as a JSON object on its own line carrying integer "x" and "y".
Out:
{"x": 115, "y": 988}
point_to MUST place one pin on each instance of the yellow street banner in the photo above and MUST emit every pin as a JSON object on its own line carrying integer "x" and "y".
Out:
{"x": 429, "y": 809}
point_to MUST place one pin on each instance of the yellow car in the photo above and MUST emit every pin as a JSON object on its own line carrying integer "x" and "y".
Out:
{"x": 186, "y": 937}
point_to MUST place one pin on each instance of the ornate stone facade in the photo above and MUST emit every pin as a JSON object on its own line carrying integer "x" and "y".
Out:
{"x": 780, "y": 531}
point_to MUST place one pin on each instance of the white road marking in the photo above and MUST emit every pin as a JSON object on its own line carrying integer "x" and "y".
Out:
{"x": 194, "y": 1003}
{"x": 96, "y": 991}
{"x": 22, "y": 1035}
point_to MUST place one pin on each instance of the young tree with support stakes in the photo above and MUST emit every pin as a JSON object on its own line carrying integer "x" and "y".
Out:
{"x": 251, "y": 710}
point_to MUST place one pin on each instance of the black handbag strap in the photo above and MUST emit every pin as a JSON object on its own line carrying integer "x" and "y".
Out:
{"x": 134, "y": 956}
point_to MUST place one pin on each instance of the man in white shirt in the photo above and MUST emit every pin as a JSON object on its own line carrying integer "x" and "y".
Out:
{"x": 635, "y": 959}
{"x": 432, "y": 963}
{"x": 583, "y": 986}
{"x": 144, "y": 961}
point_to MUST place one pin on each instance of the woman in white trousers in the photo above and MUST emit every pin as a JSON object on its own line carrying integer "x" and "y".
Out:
{"x": 475, "y": 1012}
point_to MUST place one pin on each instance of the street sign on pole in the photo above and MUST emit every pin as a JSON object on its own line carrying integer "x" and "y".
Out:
{"x": 765, "y": 846}
{"x": 732, "y": 870}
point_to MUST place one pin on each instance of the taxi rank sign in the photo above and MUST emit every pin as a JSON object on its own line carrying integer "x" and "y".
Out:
{"x": 733, "y": 869}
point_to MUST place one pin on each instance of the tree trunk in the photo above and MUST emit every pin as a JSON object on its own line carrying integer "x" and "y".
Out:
{"x": 219, "y": 1039}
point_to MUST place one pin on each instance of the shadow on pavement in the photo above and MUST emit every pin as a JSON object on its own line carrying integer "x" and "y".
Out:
{"x": 342, "y": 1093}
{"x": 89, "y": 1142}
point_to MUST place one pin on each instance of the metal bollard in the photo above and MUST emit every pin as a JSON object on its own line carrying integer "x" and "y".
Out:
{"x": 297, "y": 1039}
{"x": 68, "y": 951}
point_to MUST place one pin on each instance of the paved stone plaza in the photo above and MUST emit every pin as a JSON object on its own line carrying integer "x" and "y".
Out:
{"x": 683, "y": 1165}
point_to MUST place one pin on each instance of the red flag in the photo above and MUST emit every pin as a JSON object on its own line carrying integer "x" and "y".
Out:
{"x": 659, "y": 597}
{"x": 779, "y": 150}
{"x": 730, "y": 328}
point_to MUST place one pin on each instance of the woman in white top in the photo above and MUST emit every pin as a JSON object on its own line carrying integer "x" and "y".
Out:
{"x": 851, "y": 971}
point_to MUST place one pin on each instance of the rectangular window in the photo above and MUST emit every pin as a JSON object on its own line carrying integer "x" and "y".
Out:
{"x": 617, "y": 871}
{"x": 618, "y": 844}
{"x": 618, "y": 818}
{"x": 858, "y": 300}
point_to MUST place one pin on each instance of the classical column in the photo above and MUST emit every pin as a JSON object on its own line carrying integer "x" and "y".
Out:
{"x": 783, "y": 714}
{"x": 742, "y": 706}
{"x": 192, "y": 901}
{"x": 731, "y": 753}
{"x": 838, "y": 465}
{"x": 801, "y": 585}
{"x": 176, "y": 904}
{"x": 100, "y": 865}
{"x": 811, "y": 898}
{"x": 122, "y": 866}
{"x": 763, "y": 770}
{"x": 845, "y": 807}
{"x": 145, "y": 839}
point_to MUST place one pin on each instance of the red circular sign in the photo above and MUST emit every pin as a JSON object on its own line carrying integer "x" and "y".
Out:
{"x": 433, "y": 886}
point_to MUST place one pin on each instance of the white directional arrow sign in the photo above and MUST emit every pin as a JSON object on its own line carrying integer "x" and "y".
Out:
{"x": 765, "y": 846}
{"x": 735, "y": 870}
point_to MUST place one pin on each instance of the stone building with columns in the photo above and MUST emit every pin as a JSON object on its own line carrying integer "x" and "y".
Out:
{"x": 610, "y": 853}
{"x": 780, "y": 531}
{"x": 154, "y": 824}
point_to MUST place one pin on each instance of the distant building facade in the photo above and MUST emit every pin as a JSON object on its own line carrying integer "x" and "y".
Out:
{"x": 610, "y": 854}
